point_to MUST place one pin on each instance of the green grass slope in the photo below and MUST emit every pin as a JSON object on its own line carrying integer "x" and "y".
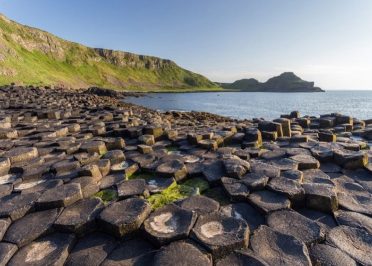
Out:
{"x": 34, "y": 57}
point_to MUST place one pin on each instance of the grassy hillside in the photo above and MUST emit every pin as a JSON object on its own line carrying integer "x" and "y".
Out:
{"x": 35, "y": 57}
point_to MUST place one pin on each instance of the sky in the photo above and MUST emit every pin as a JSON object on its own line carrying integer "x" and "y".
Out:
{"x": 326, "y": 41}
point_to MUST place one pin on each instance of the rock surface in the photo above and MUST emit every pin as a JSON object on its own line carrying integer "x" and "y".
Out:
{"x": 89, "y": 180}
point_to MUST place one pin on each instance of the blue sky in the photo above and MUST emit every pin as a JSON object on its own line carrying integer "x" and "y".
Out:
{"x": 327, "y": 41}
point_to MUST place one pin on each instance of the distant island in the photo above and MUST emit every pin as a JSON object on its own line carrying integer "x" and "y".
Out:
{"x": 286, "y": 82}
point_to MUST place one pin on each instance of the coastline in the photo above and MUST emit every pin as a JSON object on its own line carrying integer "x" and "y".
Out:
{"x": 81, "y": 157}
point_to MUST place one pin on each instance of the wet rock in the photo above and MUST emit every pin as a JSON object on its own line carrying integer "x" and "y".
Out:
{"x": 355, "y": 242}
{"x": 267, "y": 201}
{"x": 168, "y": 224}
{"x": 181, "y": 253}
{"x": 124, "y": 217}
{"x": 245, "y": 212}
{"x": 241, "y": 258}
{"x": 306, "y": 162}
{"x": 322, "y": 254}
{"x": 7, "y": 250}
{"x": 354, "y": 219}
{"x": 156, "y": 185}
{"x": 173, "y": 168}
{"x": 91, "y": 250}
{"x": 255, "y": 181}
{"x": 60, "y": 196}
{"x": 30, "y": 227}
{"x": 294, "y": 175}
{"x": 200, "y": 204}
{"x": 236, "y": 190}
{"x": 220, "y": 235}
{"x": 127, "y": 252}
{"x": 16, "y": 206}
{"x": 279, "y": 249}
{"x": 79, "y": 217}
{"x": 292, "y": 223}
{"x": 50, "y": 250}
{"x": 130, "y": 188}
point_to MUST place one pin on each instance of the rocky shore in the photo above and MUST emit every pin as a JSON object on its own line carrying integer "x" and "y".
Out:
{"x": 89, "y": 180}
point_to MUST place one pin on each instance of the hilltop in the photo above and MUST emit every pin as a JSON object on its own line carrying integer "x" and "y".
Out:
{"x": 35, "y": 57}
{"x": 286, "y": 82}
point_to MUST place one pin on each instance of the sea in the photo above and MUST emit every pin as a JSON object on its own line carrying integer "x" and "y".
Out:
{"x": 248, "y": 105}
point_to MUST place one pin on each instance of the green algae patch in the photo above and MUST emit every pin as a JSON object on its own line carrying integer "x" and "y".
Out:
{"x": 107, "y": 195}
{"x": 171, "y": 194}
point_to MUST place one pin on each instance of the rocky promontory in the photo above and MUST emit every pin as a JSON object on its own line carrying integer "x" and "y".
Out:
{"x": 286, "y": 82}
{"x": 90, "y": 180}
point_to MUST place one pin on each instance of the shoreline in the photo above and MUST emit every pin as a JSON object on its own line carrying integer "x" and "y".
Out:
{"x": 83, "y": 165}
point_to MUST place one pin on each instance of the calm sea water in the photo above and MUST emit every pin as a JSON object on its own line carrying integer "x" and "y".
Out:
{"x": 259, "y": 104}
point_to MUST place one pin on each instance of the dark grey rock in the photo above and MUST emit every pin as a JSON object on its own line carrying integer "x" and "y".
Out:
{"x": 306, "y": 162}
{"x": 321, "y": 197}
{"x": 267, "y": 201}
{"x": 79, "y": 217}
{"x": 4, "y": 224}
{"x": 255, "y": 181}
{"x": 241, "y": 258}
{"x": 181, "y": 253}
{"x": 292, "y": 189}
{"x": 128, "y": 250}
{"x": 354, "y": 219}
{"x": 200, "y": 204}
{"x": 7, "y": 250}
{"x": 31, "y": 226}
{"x": 213, "y": 170}
{"x": 292, "y": 223}
{"x": 322, "y": 254}
{"x": 50, "y": 250}
{"x": 16, "y": 206}
{"x": 236, "y": 190}
{"x": 355, "y": 242}
{"x": 245, "y": 212}
{"x": 279, "y": 249}
{"x": 133, "y": 187}
{"x": 172, "y": 168}
{"x": 124, "y": 217}
{"x": 91, "y": 250}
{"x": 60, "y": 196}
{"x": 168, "y": 224}
{"x": 220, "y": 234}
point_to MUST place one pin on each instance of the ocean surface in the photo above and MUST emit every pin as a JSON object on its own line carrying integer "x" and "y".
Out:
{"x": 260, "y": 104}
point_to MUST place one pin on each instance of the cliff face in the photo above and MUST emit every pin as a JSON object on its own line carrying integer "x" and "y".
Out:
{"x": 286, "y": 82}
{"x": 35, "y": 57}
